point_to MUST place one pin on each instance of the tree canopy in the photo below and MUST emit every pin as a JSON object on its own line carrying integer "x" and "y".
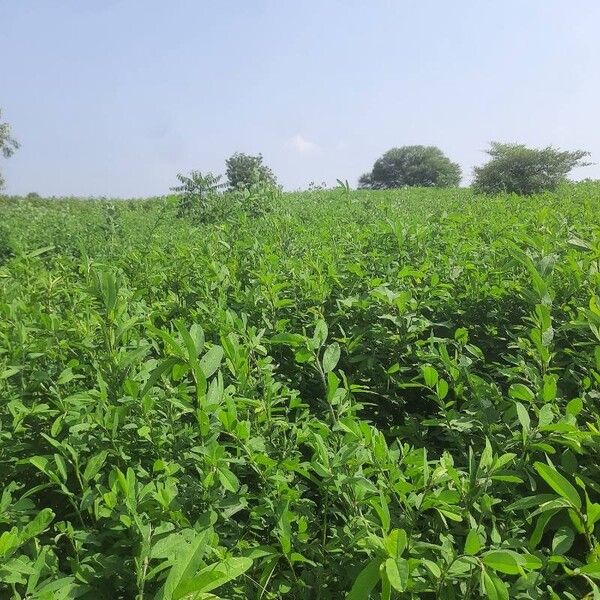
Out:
{"x": 7, "y": 144}
{"x": 243, "y": 170}
{"x": 425, "y": 166}
{"x": 515, "y": 168}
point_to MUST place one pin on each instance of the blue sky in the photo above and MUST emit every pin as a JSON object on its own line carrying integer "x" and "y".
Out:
{"x": 114, "y": 97}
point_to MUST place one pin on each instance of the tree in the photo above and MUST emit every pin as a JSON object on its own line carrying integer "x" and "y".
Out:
{"x": 425, "y": 166}
{"x": 7, "y": 144}
{"x": 243, "y": 170}
{"x": 197, "y": 193}
{"x": 515, "y": 168}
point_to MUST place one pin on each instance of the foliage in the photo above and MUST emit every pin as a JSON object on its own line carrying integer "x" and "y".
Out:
{"x": 515, "y": 168}
{"x": 197, "y": 194}
{"x": 424, "y": 166}
{"x": 244, "y": 170}
{"x": 7, "y": 144}
{"x": 6, "y": 250}
{"x": 357, "y": 394}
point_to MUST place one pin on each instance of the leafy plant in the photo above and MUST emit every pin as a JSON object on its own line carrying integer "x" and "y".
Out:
{"x": 245, "y": 170}
{"x": 197, "y": 194}
{"x": 515, "y": 168}
{"x": 7, "y": 144}
{"x": 425, "y": 166}
{"x": 327, "y": 394}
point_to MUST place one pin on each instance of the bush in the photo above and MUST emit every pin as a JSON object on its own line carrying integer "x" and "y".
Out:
{"x": 515, "y": 168}
{"x": 258, "y": 198}
{"x": 243, "y": 170}
{"x": 197, "y": 194}
{"x": 7, "y": 145}
{"x": 425, "y": 166}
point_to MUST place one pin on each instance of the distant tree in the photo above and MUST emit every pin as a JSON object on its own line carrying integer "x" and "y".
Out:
{"x": 243, "y": 170}
{"x": 197, "y": 193}
{"x": 425, "y": 166}
{"x": 522, "y": 170}
{"x": 365, "y": 181}
{"x": 7, "y": 144}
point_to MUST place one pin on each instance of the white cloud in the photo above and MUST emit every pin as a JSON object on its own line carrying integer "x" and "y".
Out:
{"x": 301, "y": 145}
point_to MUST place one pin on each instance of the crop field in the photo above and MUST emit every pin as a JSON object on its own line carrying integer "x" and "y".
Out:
{"x": 337, "y": 394}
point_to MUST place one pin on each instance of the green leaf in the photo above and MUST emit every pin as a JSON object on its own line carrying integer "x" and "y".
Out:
{"x": 574, "y": 407}
{"x": 186, "y": 564}
{"x": 430, "y": 375}
{"x": 472, "y": 543}
{"x": 397, "y": 573}
{"x": 213, "y": 576}
{"x": 551, "y": 505}
{"x": 163, "y": 367}
{"x": 288, "y": 339}
{"x": 504, "y": 561}
{"x": 591, "y": 569}
{"x": 321, "y": 333}
{"x": 211, "y": 361}
{"x": 365, "y": 582}
{"x": 395, "y": 542}
{"x": 432, "y": 567}
{"x": 558, "y": 483}
{"x": 39, "y": 251}
{"x": 10, "y": 372}
{"x": 546, "y": 415}
{"x": 493, "y": 586}
{"x": 94, "y": 465}
{"x": 523, "y": 416}
{"x": 592, "y": 512}
{"x": 518, "y": 391}
{"x": 550, "y": 388}
{"x": 540, "y": 527}
{"x": 331, "y": 356}
{"x": 228, "y": 479}
{"x": 487, "y": 583}
{"x": 441, "y": 388}
{"x": 197, "y": 335}
{"x": 563, "y": 540}
{"x": 38, "y": 525}
{"x": 531, "y": 501}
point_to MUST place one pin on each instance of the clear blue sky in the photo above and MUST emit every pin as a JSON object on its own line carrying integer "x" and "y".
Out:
{"x": 114, "y": 97}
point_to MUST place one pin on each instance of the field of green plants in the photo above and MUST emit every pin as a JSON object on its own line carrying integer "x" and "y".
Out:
{"x": 361, "y": 395}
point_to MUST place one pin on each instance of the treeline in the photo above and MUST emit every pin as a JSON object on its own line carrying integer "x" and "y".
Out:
{"x": 511, "y": 168}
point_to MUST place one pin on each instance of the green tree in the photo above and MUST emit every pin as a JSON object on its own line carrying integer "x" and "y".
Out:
{"x": 515, "y": 168}
{"x": 243, "y": 170}
{"x": 197, "y": 193}
{"x": 425, "y": 166}
{"x": 7, "y": 144}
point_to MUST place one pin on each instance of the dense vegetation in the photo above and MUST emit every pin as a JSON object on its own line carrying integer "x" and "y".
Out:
{"x": 7, "y": 144}
{"x": 515, "y": 168}
{"x": 243, "y": 170}
{"x": 412, "y": 166}
{"x": 353, "y": 394}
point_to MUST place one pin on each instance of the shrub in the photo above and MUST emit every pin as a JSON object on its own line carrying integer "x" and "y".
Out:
{"x": 258, "y": 198}
{"x": 197, "y": 194}
{"x": 243, "y": 170}
{"x": 425, "y": 166}
{"x": 7, "y": 144}
{"x": 515, "y": 168}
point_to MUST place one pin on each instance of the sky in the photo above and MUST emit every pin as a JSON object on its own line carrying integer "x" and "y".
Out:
{"x": 115, "y": 97}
